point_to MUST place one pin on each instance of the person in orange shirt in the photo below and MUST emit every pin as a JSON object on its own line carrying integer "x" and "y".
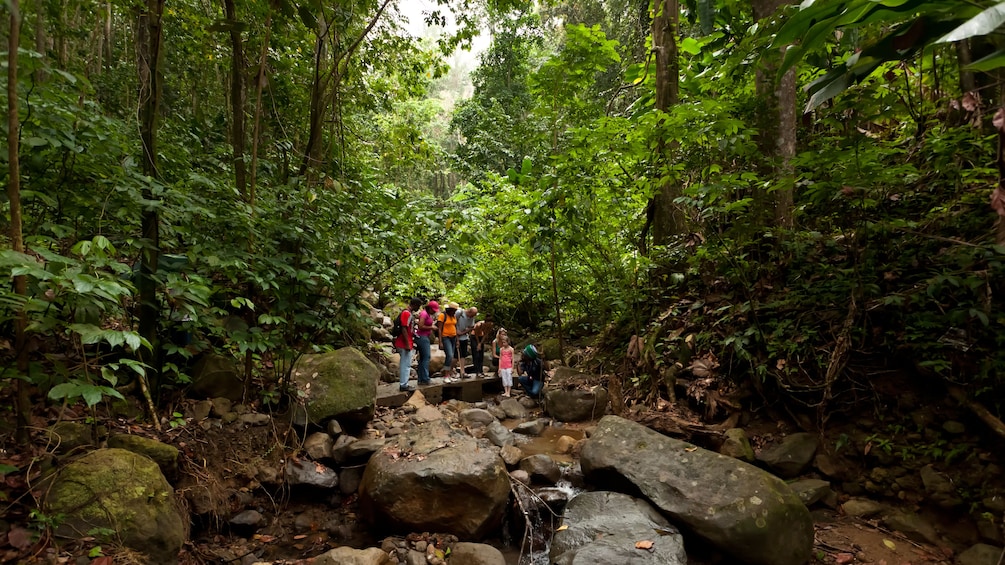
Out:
{"x": 446, "y": 324}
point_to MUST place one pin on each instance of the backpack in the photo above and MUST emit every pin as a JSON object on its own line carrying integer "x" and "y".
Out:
{"x": 397, "y": 329}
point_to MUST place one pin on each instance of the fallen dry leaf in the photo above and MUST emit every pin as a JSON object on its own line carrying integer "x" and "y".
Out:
{"x": 561, "y": 528}
{"x": 644, "y": 544}
{"x": 19, "y": 538}
{"x": 300, "y": 536}
{"x": 890, "y": 544}
{"x": 843, "y": 558}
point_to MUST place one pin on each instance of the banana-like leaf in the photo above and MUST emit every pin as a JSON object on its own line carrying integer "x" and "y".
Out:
{"x": 981, "y": 24}
{"x": 902, "y": 43}
{"x": 993, "y": 61}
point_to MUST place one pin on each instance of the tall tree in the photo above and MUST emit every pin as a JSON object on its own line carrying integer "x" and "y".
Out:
{"x": 237, "y": 98}
{"x": 149, "y": 41}
{"x": 665, "y": 216}
{"x": 16, "y": 237}
{"x": 777, "y": 119}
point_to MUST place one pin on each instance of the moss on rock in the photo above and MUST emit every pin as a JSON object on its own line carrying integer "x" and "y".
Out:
{"x": 122, "y": 492}
{"x": 341, "y": 384}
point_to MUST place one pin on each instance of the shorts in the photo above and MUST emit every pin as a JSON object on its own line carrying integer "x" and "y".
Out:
{"x": 507, "y": 377}
{"x": 462, "y": 348}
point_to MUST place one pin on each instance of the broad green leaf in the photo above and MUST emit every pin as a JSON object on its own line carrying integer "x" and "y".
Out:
{"x": 993, "y": 61}
{"x": 982, "y": 24}
{"x": 690, "y": 46}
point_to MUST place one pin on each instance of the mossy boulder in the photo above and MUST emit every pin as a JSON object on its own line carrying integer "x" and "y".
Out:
{"x": 745, "y": 511}
{"x": 164, "y": 455}
{"x": 69, "y": 436}
{"x": 341, "y": 384}
{"x": 217, "y": 376}
{"x": 124, "y": 493}
{"x": 550, "y": 349}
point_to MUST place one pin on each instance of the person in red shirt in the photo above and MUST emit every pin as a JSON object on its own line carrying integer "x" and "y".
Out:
{"x": 404, "y": 343}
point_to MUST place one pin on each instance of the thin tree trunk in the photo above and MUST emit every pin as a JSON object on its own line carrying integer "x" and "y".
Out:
{"x": 667, "y": 218}
{"x": 777, "y": 124}
{"x": 23, "y": 411}
{"x": 149, "y": 43}
{"x": 237, "y": 100}
{"x": 257, "y": 134}
{"x": 107, "y": 37}
{"x": 40, "y": 38}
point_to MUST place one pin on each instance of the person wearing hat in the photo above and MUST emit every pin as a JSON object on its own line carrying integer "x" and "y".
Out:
{"x": 465, "y": 326}
{"x": 446, "y": 324}
{"x": 424, "y": 329}
{"x": 531, "y": 372}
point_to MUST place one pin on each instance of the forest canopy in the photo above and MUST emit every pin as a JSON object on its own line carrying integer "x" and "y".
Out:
{"x": 797, "y": 194}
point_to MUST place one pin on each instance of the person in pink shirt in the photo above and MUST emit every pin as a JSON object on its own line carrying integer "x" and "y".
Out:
{"x": 424, "y": 328}
{"x": 505, "y": 362}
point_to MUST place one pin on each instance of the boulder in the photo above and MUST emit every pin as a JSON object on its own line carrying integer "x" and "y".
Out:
{"x": 466, "y": 553}
{"x": 861, "y": 508}
{"x": 534, "y": 427}
{"x": 475, "y": 418}
{"x": 939, "y": 488}
{"x": 310, "y": 473}
{"x": 318, "y": 446}
{"x": 434, "y": 478}
{"x": 124, "y": 492}
{"x": 811, "y": 491}
{"x": 576, "y": 405}
{"x": 348, "y": 556}
{"x": 737, "y": 445}
{"x": 792, "y": 456}
{"x": 341, "y": 384}
{"x": 164, "y": 455}
{"x": 68, "y": 436}
{"x": 499, "y": 435}
{"x": 513, "y": 409}
{"x": 980, "y": 554}
{"x": 541, "y": 468}
{"x": 913, "y": 526}
{"x": 739, "y": 508}
{"x": 604, "y": 527}
{"x": 217, "y": 376}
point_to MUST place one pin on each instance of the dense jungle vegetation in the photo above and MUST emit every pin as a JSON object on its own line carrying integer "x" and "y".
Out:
{"x": 795, "y": 197}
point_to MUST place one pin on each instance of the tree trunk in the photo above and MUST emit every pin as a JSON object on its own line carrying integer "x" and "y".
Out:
{"x": 149, "y": 28}
{"x": 312, "y": 151}
{"x": 777, "y": 123}
{"x": 237, "y": 100}
{"x": 257, "y": 133}
{"x": 106, "y": 38}
{"x": 23, "y": 408}
{"x": 667, "y": 217}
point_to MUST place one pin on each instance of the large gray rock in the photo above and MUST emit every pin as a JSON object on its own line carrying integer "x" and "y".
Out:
{"x": 792, "y": 456}
{"x": 541, "y": 468}
{"x": 737, "y": 445}
{"x": 980, "y": 554}
{"x": 743, "y": 510}
{"x": 348, "y": 556}
{"x": 311, "y": 473}
{"x": 465, "y": 553}
{"x": 603, "y": 527}
{"x": 124, "y": 492}
{"x": 341, "y": 384}
{"x": 939, "y": 488}
{"x": 435, "y": 479}
{"x": 217, "y": 376}
{"x": 576, "y": 405}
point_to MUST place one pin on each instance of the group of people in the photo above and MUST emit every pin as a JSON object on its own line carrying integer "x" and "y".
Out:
{"x": 460, "y": 333}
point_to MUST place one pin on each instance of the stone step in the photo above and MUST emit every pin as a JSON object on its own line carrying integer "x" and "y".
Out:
{"x": 468, "y": 390}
